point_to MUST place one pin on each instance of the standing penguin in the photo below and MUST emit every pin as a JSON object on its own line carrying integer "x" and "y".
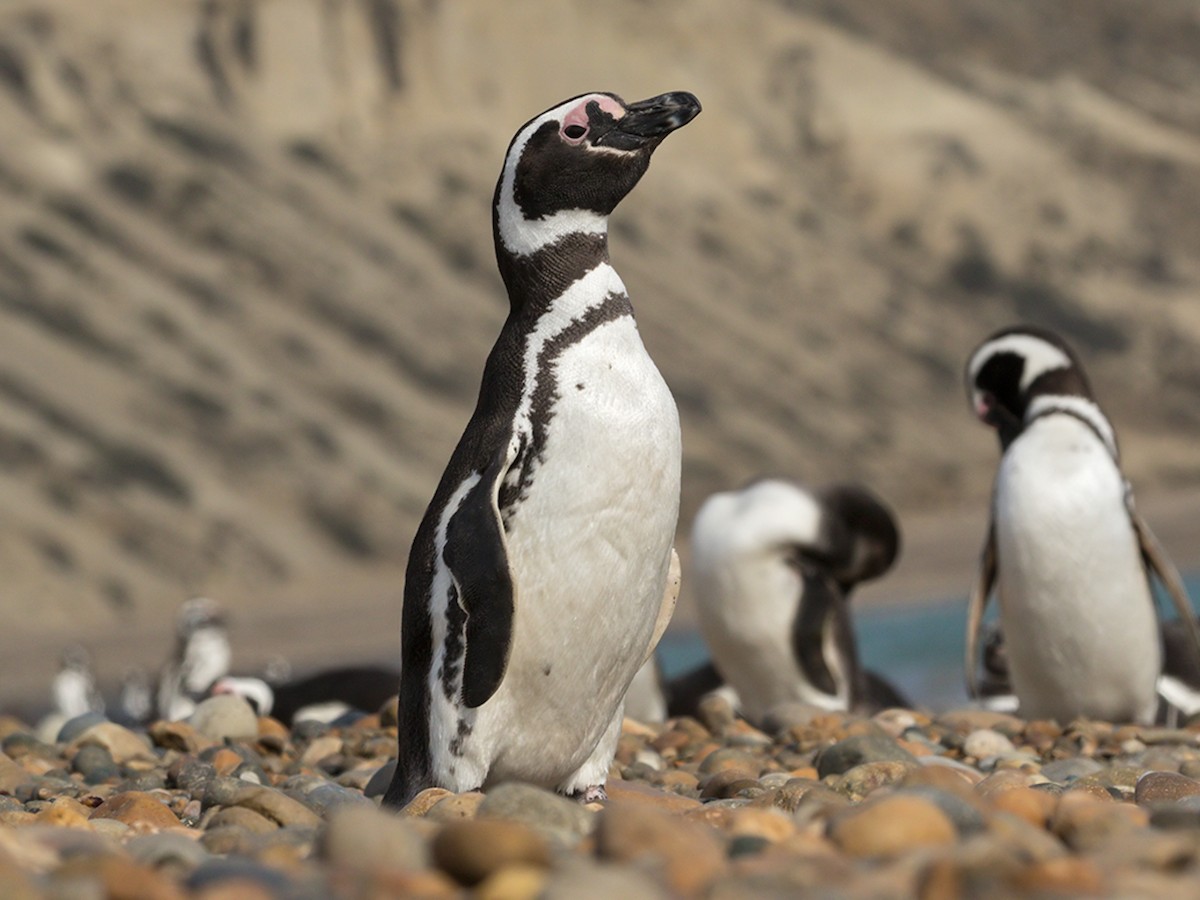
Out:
{"x": 773, "y": 565}
{"x": 74, "y": 685}
{"x": 202, "y": 655}
{"x": 540, "y": 578}
{"x": 1068, "y": 553}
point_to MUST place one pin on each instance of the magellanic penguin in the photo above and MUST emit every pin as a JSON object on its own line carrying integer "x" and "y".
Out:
{"x": 773, "y": 565}
{"x": 323, "y": 694}
{"x": 1068, "y": 554}
{"x": 537, "y": 582}
{"x": 202, "y": 655}
{"x": 74, "y": 685}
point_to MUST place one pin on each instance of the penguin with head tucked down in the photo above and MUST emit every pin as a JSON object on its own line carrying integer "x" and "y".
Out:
{"x": 540, "y": 577}
{"x": 773, "y": 566}
{"x": 1068, "y": 554}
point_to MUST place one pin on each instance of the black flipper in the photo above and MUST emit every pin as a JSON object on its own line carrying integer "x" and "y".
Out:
{"x": 879, "y": 693}
{"x": 823, "y": 607}
{"x": 477, "y": 556}
{"x": 683, "y": 692}
{"x": 976, "y": 604}
{"x": 1158, "y": 563}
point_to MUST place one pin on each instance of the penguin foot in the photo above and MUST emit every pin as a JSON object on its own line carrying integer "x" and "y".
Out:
{"x": 593, "y": 793}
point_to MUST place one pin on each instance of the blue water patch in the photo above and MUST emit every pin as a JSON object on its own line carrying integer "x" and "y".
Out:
{"x": 917, "y": 648}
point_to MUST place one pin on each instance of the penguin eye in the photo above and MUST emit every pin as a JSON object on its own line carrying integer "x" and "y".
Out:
{"x": 574, "y": 132}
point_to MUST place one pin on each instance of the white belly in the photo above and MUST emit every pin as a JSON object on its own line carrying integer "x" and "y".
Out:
{"x": 589, "y": 547}
{"x": 748, "y": 597}
{"x": 1077, "y": 613}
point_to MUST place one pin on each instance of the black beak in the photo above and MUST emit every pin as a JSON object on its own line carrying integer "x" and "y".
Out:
{"x": 649, "y": 121}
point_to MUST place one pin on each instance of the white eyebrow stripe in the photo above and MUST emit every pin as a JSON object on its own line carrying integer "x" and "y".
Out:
{"x": 1040, "y": 356}
{"x": 521, "y": 236}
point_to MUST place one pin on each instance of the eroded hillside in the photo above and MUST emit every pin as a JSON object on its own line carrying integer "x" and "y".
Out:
{"x": 247, "y": 287}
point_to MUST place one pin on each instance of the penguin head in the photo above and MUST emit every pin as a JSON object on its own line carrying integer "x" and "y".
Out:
{"x": 775, "y": 518}
{"x": 1014, "y": 367}
{"x": 198, "y": 613}
{"x": 569, "y": 167}
{"x": 868, "y": 531}
{"x": 75, "y": 658}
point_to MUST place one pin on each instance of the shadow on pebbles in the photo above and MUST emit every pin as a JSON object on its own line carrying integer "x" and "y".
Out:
{"x": 902, "y": 804}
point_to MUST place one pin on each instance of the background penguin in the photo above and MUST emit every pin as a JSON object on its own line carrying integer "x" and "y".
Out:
{"x": 74, "y": 686}
{"x": 1067, "y": 552}
{"x": 538, "y": 581}
{"x": 202, "y": 655}
{"x": 773, "y": 565}
{"x": 1178, "y": 685}
{"x": 135, "y": 698}
{"x": 337, "y": 690}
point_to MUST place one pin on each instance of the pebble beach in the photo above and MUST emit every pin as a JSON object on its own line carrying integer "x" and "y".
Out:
{"x": 966, "y": 803}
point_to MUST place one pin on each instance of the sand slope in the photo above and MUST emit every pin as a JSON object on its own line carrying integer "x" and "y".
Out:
{"x": 246, "y": 276}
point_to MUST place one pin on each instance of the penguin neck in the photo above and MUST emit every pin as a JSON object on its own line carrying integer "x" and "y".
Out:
{"x": 535, "y": 280}
{"x": 1083, "y": 409}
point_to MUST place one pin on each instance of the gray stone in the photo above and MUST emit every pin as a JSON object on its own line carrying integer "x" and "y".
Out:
{"x": 967, "y": 818}
{"x": 582, "y": 879}
{"x": 221, "y": 790}
{"x": 151, "y": 780}
{"x": 1176, "y": 815}
{"x": 862, "y": 780}
{"x": 784, "y": 717}
{"x": 970, "y": 772}
{"x": 1160, "y": 787}
{"x": 192, "y": 775}
{"x": 68, "y": 842}
{"x": 74, "y": 727}
{"x": 564, "y": 821}
{"x": 167, "y": 850}
{"x": 22, "y": 743}
{"x": 95, "y": 764}
{"x": 715, "y": 712}
{"x": 1064, "y": 771}
{"x": 216, "y": 871}
{"x": 124, "y": 745}
{"x": 276, "y": 806}
{"x": 379, "y": 782}
{"x": 854, "y": 751}
{"x": 321, "y": 796}
{"x": 247, "y": 821}
{"x": 367, "y": 838}
{"x": 983, "y": 742}
{"x": 225, "y": 716}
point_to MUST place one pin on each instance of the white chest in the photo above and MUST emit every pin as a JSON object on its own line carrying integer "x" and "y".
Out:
{"x": 589, "y": 547}
{"x": 1075, "y": 601}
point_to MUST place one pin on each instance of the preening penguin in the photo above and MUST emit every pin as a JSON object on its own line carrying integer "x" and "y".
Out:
{"x": 538, "y": 579}
{"x": 773, "y": 565}
{"x": 1068, "y": 554}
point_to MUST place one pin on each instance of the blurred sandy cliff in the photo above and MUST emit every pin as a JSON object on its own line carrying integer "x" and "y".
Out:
{"x": 247, "y": 283}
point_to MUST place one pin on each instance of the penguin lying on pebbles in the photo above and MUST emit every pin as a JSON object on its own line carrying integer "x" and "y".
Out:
{"x": 1068, "y": 554}
{"x": 773, "y": 566}
{"x": 539, "y": 579}
{"x": 322, "y": 695}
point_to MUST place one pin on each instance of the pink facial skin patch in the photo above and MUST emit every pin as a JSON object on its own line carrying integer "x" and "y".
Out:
{"x": 578, "y": 115}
